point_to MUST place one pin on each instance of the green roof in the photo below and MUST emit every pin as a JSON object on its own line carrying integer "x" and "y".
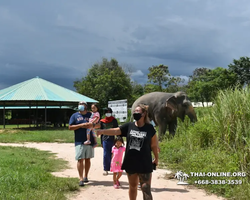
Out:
{"x": 38, "y": 89}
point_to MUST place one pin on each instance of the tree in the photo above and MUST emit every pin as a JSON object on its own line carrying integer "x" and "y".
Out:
{"x": 197, "y": 88}
{"x": 205, "y": 83}
{"x": 105, "y": 81}
{"x": 137, "y": 91}
{"x": 159, "y": 75}
{"x": 221, "y": 78}
{"x": 174, "y": 84}
{"x": 151, "y": 88}
{"x": 241, "y": 68}
{"x": 184, "y": 88}
{"x": 198, "y": 73}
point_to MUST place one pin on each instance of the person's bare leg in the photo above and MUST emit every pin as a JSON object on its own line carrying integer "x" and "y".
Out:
{"x": 145, "y": 180}
{"x": 88, "y": 137}
{"x": 80, "y": 168}
{"x": 133, "y": 182}
{"x": 87, "y": 167}
{"x": 119, "y": 175}
{"x": 114, "y": 178}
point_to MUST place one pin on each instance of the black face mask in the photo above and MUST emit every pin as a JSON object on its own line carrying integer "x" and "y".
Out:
{"x": 137, "y": 116}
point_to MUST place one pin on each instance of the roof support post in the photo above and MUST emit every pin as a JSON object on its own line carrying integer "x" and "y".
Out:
{"x": 45, "y": 120}
{"x": 4, "y": 115}
{"x": 29, "y": 114}
{"x": 61, "y": 118}
{"x": 36, "y": 115}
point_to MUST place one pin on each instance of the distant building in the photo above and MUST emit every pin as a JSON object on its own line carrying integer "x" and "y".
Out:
{"x": 199, "y": 104}
{"x": 38, "y": 101}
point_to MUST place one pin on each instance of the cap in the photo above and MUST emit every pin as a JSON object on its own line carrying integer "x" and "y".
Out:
{"x": 108, "y": 110}
{"x": 83, "y": 102}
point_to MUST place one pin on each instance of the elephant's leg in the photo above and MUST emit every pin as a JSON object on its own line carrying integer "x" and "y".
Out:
{"x": 162, "y": 124}
{"x": 172, "y": 127}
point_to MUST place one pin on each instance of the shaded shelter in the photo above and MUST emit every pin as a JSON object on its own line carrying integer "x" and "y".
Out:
{"x": 37, "y": 92}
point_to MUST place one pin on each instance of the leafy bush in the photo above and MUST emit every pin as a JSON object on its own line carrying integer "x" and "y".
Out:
{"x": 218, "y": 142}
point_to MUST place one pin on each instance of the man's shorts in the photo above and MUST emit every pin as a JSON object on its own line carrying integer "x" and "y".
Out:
{"x": 83, "y": 151}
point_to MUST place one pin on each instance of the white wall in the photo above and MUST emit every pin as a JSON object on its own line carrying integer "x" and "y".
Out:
{"x": 199, "y": 104}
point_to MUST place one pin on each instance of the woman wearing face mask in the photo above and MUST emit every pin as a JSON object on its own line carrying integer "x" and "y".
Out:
{"x": 107, "y": 141}
{"x": 141, "y": 139}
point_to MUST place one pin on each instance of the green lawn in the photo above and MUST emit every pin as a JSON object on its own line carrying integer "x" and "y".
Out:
{"x": 61, "y": 135}
{"x": 25, "y": 173}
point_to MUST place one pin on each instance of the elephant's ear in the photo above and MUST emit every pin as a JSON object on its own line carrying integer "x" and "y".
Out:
{"x": 146, "y": 107}
{"x": 171, "y": 103}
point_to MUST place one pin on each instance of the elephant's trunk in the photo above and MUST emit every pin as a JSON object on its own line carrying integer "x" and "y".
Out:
{"x": 191, "y": 114}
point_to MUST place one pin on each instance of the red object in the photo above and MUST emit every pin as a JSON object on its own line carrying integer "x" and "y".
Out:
{"x": 107, "y": 119}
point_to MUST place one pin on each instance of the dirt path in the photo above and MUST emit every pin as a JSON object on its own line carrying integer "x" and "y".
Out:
{"x": 101, "y": 187}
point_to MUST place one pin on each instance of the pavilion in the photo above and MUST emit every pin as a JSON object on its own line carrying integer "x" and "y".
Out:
{"x": 37, "y": 93}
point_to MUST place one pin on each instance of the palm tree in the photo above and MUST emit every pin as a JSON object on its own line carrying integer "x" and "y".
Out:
{"x": 179, "y": 175}
{"x": 185, "y": 176}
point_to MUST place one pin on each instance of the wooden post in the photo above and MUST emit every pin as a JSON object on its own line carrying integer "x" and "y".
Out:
{"x": 45, "y": 120}
{"x": 4, "y": 115}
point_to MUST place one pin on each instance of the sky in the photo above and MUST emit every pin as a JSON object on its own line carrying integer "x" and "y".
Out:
{"x": 59, "y": 40}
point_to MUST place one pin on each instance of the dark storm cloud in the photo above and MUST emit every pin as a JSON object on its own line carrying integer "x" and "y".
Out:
{"x": 195, "y": 47}
{"x": 59, "y": 40}
{"x": 22, "y": 71}
{"x": 195, "y": 34}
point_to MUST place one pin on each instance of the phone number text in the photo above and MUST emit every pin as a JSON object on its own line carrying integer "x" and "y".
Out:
{"x": 218, "y": 182}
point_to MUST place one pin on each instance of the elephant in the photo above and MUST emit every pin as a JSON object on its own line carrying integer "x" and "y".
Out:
{"x": 164, "y": 108}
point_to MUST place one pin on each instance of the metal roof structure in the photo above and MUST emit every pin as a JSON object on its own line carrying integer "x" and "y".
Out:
{"x": 39, "y": 92}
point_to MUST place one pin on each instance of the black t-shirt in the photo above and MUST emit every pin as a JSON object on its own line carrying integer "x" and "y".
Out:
{"x": 112, "y": 124}
{"x": 138, "y": 158}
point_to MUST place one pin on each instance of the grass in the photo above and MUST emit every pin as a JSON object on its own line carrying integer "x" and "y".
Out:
{"x": 218, "y": 142}
{"x": 37, "y": 135}
{"x": 60, "y": 135}
{"x": 8, "y": 126}
{"x": 25, "y": 173}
